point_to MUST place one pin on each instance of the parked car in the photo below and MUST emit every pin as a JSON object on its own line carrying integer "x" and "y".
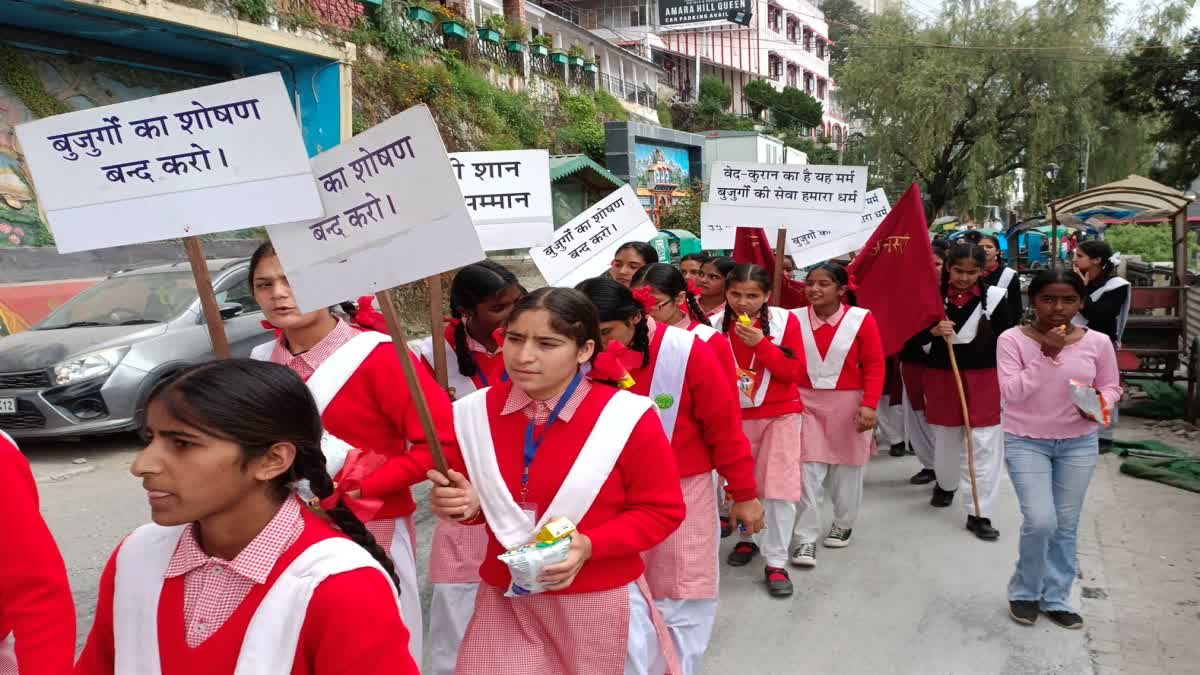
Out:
{"x": 89, "y": 366}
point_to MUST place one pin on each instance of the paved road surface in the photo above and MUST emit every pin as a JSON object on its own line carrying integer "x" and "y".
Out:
{"x": 914, "y": 593}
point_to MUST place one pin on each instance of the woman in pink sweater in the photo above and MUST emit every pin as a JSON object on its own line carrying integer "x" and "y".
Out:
{"x": 1051, "y": 444}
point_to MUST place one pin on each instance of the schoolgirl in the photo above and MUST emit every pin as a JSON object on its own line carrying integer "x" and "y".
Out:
{"x": 629, "y": 258}
{"x": 841, "y": 388}
{"x": 913, "y": 357}
{"x": 997, "y": 273}
{"x": 712, "y": 285}
{"x": 236, "y": 572}
{"x": 691, "y": 264}
{"x": 550, "y": 442}
{"x": 358, "y": 383}
{"x": 976, "y": 315}
{"x": 674, "y": 368}
{"x": 769, "y": 354}
{"x": 1106, "y": 302}
{"x": 481, "y": 298}
{"x": 37, "y": 612}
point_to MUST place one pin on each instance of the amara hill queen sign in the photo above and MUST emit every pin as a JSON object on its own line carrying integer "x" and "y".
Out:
{"x": 680, "y": 12}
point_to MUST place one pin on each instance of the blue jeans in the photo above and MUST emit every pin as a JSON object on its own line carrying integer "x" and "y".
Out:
{"x": 1051, "y": 479}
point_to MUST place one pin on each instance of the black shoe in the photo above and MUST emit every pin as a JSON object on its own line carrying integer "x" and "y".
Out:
{"x": 726, "y": 527}
{"x": 1023, "y": 611}
{"x": 941, "y": 498}
{"x": 897, "y": 450}
{"x": 742, "y": 553}
{"x": 982, "y": 527}
{"x": 779, "y": 584}
{"x": 923, "y": 477}
{"x": 1066, "y": 619}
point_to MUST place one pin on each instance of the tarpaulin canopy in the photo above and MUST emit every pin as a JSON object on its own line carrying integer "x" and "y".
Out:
{"x": 1140, "y": 196}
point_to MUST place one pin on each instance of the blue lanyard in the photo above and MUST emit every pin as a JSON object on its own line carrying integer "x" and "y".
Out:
{"x": 531, "y": 443}
{"x": 482, "y": 375}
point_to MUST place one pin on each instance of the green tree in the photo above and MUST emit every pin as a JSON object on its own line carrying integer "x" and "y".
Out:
{"x": 760, "y": 95}
{"x": 794, "y": 109}
{"x": 1162, "y": 84}
{"x": 684, "y": 213}
{"x": 818, "y": 151}
{"x": 714, "y": 91}
{"x": 844, "y": 17}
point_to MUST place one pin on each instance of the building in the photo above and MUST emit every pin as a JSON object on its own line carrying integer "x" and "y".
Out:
{"x": 786, "y": 42}
{"x": 747, "y": 146}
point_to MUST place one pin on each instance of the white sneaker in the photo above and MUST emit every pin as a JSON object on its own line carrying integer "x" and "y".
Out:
{"x": 837, "y": 537}
{"x": 805, "y": 555}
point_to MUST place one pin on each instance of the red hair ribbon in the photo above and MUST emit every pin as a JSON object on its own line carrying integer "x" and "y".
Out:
{"x": 645, "y": 298}
{"x": 368, "y": 317}
{"x": 614, "y": 363}
{"x": 852, "y": 285}
{"x": 694, "y": 287}
{"x": 498, "y": 335}
{"x": 359, "y": 464}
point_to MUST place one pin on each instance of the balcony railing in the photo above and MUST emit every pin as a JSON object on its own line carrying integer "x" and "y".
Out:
{"x": 642, "y": 95}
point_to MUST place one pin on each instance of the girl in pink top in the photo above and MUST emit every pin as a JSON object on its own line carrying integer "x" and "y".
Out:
{"x": 1051, "y": 445}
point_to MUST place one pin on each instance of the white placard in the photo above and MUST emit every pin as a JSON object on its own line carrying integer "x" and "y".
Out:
{"x": 787, "y": 187}
{"x": 224, "y": 157}
{"x": 719, "y": 231}
{"x": 508, "y": 196}
{"x": 394, "y": 215}
{"x": 584, "y": 247}
{"x": 813, "y": 246}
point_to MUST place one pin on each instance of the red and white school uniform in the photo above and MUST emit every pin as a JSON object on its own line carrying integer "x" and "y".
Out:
{"x": 718, "y": 344}
{"x": 359, "y": 386}
{"x": 976, "y": 359}
{"x": 771, "y": 408}
{"x": 457, "y": 550}
{"x": 889, "y": 415}
{"x": 37, "y": 613}
{"x": 606, "y": 464}
{"x": 300, "y": 599}
{"x": 845, "y": 371}
{"x": 917, "y": 432}
{"x": 682, "y": 571}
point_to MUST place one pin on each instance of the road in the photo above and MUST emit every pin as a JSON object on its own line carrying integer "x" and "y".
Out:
{"x": 914, "y": 593}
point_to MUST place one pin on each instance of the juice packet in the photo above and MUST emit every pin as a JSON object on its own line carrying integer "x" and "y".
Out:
{"x": 1087, "y": 399}
{"x": 525, "y": 563}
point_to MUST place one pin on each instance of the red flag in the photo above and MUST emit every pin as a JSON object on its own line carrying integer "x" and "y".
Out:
{"x": 895, "y": 276}
{"x": 753, "y": 246}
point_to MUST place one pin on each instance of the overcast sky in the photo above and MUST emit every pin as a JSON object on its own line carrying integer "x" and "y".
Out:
{"x": 1129, "y": 10}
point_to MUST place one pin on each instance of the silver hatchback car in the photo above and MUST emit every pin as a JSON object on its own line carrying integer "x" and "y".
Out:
{"x": 88, "y": 367}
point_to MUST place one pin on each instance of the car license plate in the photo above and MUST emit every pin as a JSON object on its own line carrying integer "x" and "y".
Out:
{"x": 8, "y": 406}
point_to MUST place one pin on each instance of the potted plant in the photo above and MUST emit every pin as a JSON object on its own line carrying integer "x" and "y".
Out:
{"x": 420, "y": 12}
{"x": 515, "y": 38}
{"x": 541, "y": 44}
{"x": 558, "y": 56}
{"x": 591, "y": 67}
{"x": 456, "y": 26}
{"x": 492, "y": 28}
{"x": 576, "y": 56}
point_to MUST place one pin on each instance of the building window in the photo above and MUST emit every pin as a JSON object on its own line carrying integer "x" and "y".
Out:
{"x": 792, "y": 74}
{"x": 808, "y": 40}
{"x": 820, "y": 90}
{"x": 820, "y": 49}
{"x": 774, "y": 66}
{"x": 808, "y": 83}
{"x": 793, "y": 30}
{"x": 775, "y": 18}
{"x": 637, "y": 15}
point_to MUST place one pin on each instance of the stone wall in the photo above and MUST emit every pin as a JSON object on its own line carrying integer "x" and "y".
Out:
{"x": 341, "y": 13}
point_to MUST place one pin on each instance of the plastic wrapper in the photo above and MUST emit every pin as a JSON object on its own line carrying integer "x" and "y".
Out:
{"x": 559, "y": 527}
{"x": 527, "y": 562}
{"x": 1086, "y": 398}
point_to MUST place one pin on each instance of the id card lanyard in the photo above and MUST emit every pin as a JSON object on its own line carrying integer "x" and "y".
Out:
{"x": 533, "y": 441}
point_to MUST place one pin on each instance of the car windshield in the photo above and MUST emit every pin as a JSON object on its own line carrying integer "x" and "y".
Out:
{"x": 126, "y": 300}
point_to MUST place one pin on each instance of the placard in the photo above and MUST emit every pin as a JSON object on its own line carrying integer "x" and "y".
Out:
{"x": 394, "y": 214}
{"x": 717, "y": 232}
{"x": 508, "y": 196}
{"x": 788, "y": 186}
{"x": 810, "y": 247}
{"x": 223, "y": 157}
{"x": 584, "y": 247}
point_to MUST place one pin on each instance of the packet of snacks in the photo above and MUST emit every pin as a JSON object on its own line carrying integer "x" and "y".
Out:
{"x": 1088, "y": 399}
{"x": 525, "y": 563}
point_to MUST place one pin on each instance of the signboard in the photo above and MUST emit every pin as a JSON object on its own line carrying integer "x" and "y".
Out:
{"x": 585, "y": 246}
{"x": 686, "y": 12}
{"x": 788, "y": 186}
{"x": 224, "y": 157}
{"x": 394, "y": 214}
{"x": 508, "y": 196}
{"x": 810, "y": 247}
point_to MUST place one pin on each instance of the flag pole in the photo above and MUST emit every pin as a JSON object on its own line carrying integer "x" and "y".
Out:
{"x": 777, "y": 278}
{"x": 962, "y": 398}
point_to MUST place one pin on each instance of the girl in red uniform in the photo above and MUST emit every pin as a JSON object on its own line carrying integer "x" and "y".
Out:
{"x": 37, "y": 613}
{"x": 912, "y": 370}
{"x": 629, "y": 258}
{"x": 236, "y": 570}
{"x": 840, "y": 389}
{"x": 358, "y": 383}
{"x": 550, "y": 443}
{"x": 481, "y": 298}
{"x": 691, "y": 264}
{"x": 674, "y": 368}
{"x": 770, "y": 361}
{"x": 712, "y": 285}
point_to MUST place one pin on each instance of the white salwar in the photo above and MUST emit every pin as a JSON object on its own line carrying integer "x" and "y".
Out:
{"x": 845, "y": 491}
{"x": 450, "y": 611}
{"x": 950, "y": 464}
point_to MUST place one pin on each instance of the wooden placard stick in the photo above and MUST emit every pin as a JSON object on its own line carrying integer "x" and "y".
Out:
{"x": 962, "y": 398}
{"x": 777, "y": 279}
{"x": 208, "y": 299}
{"x": 400, "y": 340}
{"x": 435, "y": 329}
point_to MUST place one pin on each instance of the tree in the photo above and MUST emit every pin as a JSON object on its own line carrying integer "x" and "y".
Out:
{"x": 714, "y": 91}
{"x": 760, "y": 95}
{"x": 684, "y": 212}
{"x": 1162, "y": 84}
{"x": 844, "y": 17}
{"x": 794, "y": 109}
{"x": 818, "y": 152}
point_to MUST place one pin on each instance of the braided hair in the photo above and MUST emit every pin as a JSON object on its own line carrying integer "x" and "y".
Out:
{"x": 472, "y": 286}
{"x": 758, "y": 275}
{"x": 614, "y": 302}
{"x": 668, "y": 280}
{"x": 257, "y": 404}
